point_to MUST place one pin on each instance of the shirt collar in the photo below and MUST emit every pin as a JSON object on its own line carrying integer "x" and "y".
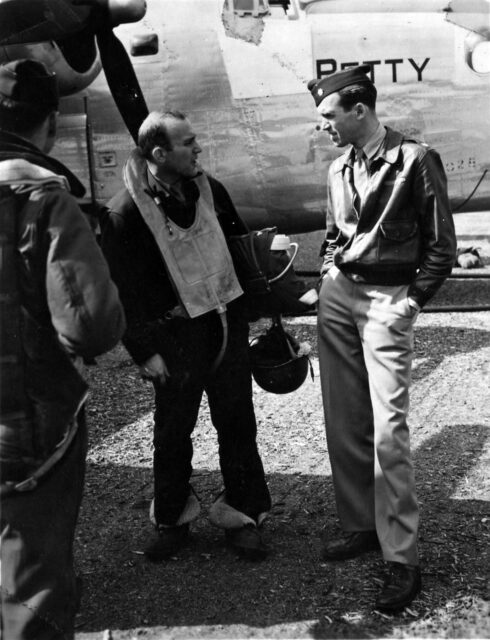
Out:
{"x": 388, "y": 150}
{"x": 157, "y": 183}
{"x": 374, "y": 142}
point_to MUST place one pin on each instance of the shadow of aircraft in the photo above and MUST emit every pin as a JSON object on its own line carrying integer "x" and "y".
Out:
{"x": 124, "y": 591}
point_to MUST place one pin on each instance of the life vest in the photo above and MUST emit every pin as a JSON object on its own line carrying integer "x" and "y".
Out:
{"x": 197, "y": 259}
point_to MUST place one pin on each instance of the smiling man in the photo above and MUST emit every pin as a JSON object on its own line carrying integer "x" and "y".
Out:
{"x": 389, "y": 246}
{"x": 165, "y": 238}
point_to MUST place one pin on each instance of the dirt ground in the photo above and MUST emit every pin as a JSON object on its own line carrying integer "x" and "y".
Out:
{"x": 206, "y": 592}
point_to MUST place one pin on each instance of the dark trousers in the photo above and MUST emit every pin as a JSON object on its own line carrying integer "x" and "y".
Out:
{"x": 189, "y": 348}
{"x": 39, "y": 594}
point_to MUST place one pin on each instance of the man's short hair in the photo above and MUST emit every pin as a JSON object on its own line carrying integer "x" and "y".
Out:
{"x": 153, "y": 131}
{"x": 28, "y": 94}
{"x": 364, "y": 92}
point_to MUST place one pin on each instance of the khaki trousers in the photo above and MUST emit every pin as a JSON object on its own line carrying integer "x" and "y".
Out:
{"x": 365, "y": 339}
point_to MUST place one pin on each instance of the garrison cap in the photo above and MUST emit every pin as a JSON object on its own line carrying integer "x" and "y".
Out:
{"x": 320, "y": 89}
{"x": 27, "y": 84}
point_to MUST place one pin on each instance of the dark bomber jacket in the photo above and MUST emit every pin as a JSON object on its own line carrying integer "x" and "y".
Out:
{"x": 404, "y": 232}
{"x": 57, "y": 302}
{"x": 137, "y": 267}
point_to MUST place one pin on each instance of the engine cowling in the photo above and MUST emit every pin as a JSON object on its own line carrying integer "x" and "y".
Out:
{"x": 69, "y": 79}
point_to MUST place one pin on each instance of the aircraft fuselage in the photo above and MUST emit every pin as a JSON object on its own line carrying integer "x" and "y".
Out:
{"x": 242, "y": 81}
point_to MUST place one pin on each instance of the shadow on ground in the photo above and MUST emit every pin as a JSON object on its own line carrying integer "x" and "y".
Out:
{"x": 123, "y": 398}
{"x": 207, "y": 585}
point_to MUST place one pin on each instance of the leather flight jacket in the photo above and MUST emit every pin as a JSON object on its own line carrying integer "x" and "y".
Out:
{"x": 57, "y": 303}
{"x": 41, "y": 390}
{"x": 403, "y": 233}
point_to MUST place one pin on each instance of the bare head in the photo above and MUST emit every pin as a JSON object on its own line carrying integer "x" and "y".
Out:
{"x": 168, "y": 142}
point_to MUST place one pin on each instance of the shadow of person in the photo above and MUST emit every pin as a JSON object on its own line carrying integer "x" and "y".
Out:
{"x": 452, "y": 481}
{"x": 206, "y": 585}
{"x": 207, "y": 588}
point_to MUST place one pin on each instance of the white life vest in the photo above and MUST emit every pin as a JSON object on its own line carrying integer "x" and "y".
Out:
{"x": 197, "y": 259}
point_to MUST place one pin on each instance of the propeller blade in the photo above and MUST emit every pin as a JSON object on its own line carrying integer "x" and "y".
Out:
{"x": 122, "y": 81}
{"x": 26, "y": 21}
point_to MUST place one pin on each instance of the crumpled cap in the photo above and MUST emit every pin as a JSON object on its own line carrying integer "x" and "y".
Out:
{"x": 27, "y": 83}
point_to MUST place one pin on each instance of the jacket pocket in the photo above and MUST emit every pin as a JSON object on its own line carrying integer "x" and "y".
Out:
{"x": 399, "y": 242}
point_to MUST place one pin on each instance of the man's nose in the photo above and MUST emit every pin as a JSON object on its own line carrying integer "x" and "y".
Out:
{"x": 197, "y": 148}
{"x": 323, "y": 126}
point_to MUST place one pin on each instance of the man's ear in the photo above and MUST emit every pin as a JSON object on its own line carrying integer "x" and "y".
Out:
{"x": 52, "y": 124}
{"x": 48, "y": 132}
{"x": 159, "y": 154}
{"x": 360, "y": 110}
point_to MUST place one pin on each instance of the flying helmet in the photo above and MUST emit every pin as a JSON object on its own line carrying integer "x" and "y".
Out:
{"x": 277, "y": 365}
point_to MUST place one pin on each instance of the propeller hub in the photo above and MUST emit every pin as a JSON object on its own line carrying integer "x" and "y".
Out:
{"x": 124, "y": 11}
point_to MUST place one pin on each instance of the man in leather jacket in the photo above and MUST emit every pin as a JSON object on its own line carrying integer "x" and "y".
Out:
{"x": 165, "y": 237}
{"x": 389, "y": 246}
{"x": 58, "y": 304}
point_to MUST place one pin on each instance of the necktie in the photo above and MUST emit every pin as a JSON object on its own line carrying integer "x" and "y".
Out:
{"x": 361, "y": 177}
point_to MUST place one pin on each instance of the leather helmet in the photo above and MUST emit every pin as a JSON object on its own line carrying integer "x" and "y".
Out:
{"x": 276, "y": 367}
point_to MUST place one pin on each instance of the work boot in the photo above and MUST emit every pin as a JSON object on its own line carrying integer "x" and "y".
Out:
{"x": 247, "y": 542}
{"x": 351, "y": 545}
{"x": 401, "y": 586}
{"x": 169, "y": 541}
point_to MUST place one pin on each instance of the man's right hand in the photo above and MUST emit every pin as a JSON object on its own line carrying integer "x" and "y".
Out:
{"x": 155, "y": 369}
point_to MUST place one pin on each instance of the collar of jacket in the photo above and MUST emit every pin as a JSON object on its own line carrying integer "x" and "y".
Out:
{"x": 389, "y": 151}
{"x": 23, "y": 176}
{"x": 12, "y": 146}
{"x": 162, "y": 187}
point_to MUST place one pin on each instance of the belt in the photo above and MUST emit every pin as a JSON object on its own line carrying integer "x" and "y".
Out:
{"x": 32, "y": 481}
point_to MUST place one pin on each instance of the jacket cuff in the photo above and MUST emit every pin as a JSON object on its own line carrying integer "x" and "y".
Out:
{"x": 420, "y": 297}
{"x": 138, "y": 352}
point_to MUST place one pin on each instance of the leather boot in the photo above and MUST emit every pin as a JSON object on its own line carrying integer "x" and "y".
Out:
{"x": 401, "y": 586}
{"x": 246, "y": 542}
{"x": 168, "y": 542}
{"x": 350, "y": 545}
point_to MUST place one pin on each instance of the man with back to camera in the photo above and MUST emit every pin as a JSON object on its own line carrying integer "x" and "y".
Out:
{"x": 165, "y": 238}
{"x": 57, "y": 302}
{"x": 389, "y": 246}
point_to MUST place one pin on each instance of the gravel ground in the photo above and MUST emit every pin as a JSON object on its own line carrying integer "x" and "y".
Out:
{"x": 206, "y": 592}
